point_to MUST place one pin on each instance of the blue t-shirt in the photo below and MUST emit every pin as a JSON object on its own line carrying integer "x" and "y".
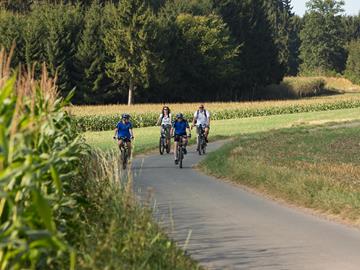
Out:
{"x": 180, "y": 127}
{"x": 124, "y": 130}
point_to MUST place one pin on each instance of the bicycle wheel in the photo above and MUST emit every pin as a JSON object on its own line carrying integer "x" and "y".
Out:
{"x": 181, "y": 157}
{"x": 123, "y": 158}
{"x": 199, "y": 144}
{"x": 161, "y": 146}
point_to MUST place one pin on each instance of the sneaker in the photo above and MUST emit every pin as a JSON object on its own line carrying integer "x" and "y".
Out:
{"x": 185, "y": 151}
{"x": 176, "y": 162}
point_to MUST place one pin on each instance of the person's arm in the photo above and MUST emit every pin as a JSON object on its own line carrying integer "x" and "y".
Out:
{"x": 209, "y": 117}
{"x": 131, "y": 131}
{"x": 116, "y": 131}
{"x": 194, "y": 119}
{"x": 159, "y": 120}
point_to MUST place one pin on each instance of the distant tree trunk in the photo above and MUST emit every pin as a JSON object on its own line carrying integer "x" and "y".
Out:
{"x": 131, "y": 93}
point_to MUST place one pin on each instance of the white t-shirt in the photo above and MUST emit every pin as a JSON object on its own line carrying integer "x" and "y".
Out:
{"x": 202, "y": 118}
{"x": 165, "y": 120}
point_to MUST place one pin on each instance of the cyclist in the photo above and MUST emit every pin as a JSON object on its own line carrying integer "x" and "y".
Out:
{"x": 179, "y": 128}
{"x": 202, "y": 119}
{"x": 165, "y": 122}
{"x": 124, "y": 132}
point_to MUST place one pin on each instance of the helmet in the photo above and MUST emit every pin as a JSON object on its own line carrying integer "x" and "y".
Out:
{"x": 179, "y": 116}
{"x": 125, "y": 116}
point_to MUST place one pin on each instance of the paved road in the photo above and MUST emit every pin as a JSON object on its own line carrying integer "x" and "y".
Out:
{"x": 233, "y": 229}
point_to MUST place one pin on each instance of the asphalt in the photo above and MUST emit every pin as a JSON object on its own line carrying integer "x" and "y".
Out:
{"x": 230, "y": 228}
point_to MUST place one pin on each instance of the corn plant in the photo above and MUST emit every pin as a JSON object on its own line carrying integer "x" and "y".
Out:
{"x": 39, "y": 154}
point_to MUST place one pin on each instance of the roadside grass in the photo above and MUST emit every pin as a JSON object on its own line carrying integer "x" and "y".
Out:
{"x": 114, "y": 230}
{"x": 315, "y": 167}
{"x": 147, "y": 139}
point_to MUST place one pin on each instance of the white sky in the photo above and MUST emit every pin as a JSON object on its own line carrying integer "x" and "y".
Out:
{"x": 352, "y": 7}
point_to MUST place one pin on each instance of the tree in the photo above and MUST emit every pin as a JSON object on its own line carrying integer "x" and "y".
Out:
{"x": 92, "y": 82}
{"x": 127, "y": 40}
{"x": 63, "y": 28}
{"x": 258, "y": 60}
{"x": 353, "y": 62}
{"x": 322, "y": 38}
{"x": 284, "y": 30}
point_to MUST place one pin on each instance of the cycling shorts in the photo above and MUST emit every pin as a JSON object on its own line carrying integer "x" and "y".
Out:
{"x": 177, "y": 137}
{"x": 124, "y": 139}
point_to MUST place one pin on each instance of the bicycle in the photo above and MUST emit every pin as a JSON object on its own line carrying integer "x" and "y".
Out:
{"x": 180, "y": 150}
{"x": 124, "y": 152}
{"x": 164, "y": 143}
{"x": 201, "y": 141}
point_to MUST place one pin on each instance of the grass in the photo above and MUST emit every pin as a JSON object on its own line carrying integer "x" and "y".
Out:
{"x": 115, "y": 231}
{"x": 147, "y": 138}
{"x": 315, "y": 167}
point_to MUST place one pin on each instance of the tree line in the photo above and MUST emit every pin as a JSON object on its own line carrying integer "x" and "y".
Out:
{"x": 177, "y": 50}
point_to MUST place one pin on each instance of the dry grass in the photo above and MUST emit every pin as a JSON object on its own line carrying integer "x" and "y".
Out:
{"x": 318, "y": 168}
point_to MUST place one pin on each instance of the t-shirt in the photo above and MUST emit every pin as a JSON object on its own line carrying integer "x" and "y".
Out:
{"x": 202, "y": 118}
{"x": 124, "y": 129}
{"x": 180, "y": 127}
{"x": 165, "y": 120}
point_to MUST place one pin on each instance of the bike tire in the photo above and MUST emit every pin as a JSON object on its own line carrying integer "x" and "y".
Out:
{"x": 161, "y": 146}
{"x": 181, "y": 159}
{"x": 199, "y": 146}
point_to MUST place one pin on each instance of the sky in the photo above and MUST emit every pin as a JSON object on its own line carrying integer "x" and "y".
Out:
{"x": 352, "y": 7}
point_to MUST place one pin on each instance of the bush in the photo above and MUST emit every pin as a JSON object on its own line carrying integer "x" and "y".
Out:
{"x": 295, "y": 87}
{"x": 352, "y": 71}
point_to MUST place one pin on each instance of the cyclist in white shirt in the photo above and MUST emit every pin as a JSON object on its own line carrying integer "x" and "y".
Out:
{"x": 202, "y": 118}
{"x": 165, "y": 122}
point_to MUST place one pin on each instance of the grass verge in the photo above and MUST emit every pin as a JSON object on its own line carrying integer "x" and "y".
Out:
{"x": 115, "y": 231}
{"x": 148, "y": 138}
{"x": 315, "y": 167}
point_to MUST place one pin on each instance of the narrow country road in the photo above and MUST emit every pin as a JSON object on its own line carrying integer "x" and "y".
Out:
{"x": 233, "y": 229}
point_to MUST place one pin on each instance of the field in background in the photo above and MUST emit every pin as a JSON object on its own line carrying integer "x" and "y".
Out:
{"x": 340, "y": 85}
{"x": 148, "y": 138}
{"x": 316, "y": 167}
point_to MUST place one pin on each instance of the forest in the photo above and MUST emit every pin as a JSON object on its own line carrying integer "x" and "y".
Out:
{"x": 178, "y": 50}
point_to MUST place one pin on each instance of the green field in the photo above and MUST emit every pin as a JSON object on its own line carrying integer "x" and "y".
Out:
{"x": 315, "y": 167}
{"x": 147, "y": 138}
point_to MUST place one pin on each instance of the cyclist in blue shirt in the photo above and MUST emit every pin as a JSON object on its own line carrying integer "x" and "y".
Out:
{"x": 179, "y": 128}
{"x": 124, "y": 132}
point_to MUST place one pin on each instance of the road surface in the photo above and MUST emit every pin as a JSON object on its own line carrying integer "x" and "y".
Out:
{"x": 230, "y": 228}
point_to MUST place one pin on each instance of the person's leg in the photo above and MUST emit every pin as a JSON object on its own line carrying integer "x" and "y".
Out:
{"x": 120, "y": 143}
{"x": 207, "y": 130}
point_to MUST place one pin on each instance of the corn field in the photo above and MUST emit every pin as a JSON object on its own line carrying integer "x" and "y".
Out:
{"x": 39, "y": 155}
{"x": 146, "y": 115}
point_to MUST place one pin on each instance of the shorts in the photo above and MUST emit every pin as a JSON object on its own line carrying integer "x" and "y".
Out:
{"x": 203, "y": 127}
{"x": 124, "y": 139}
{"x": 166, "y": 130}
{"x": 177, "y": 137}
